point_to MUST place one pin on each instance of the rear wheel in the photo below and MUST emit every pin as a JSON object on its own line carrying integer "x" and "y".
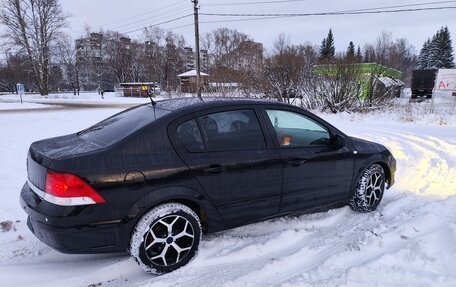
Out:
{"x": 369, "y": 189}
{"x": 166, "y": 238}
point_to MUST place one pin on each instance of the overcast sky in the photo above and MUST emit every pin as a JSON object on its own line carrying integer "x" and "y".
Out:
{"x": 127, "y": 16}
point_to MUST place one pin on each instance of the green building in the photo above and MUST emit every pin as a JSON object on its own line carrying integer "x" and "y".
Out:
{"x": 373, "y": 78}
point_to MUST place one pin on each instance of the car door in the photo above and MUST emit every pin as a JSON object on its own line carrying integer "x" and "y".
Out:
{"x": 227, "y": 152}
{"x": 316, "y": 172}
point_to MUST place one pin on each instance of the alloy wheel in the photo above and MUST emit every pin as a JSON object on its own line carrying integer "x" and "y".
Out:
{"x": 374, "y": 188}
{"x": 169, "y": 240}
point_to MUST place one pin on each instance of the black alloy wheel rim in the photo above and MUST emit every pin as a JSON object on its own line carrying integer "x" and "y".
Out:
{"x": 169, "y": 240}
{"x": 374, "y": 188}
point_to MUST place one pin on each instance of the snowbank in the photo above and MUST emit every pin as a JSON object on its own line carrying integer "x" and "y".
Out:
{"x": 19, "y": 106}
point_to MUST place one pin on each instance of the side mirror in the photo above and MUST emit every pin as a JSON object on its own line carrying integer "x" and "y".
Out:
{"x": 338, "y": 141}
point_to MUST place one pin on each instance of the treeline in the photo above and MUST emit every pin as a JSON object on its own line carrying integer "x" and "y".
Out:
{"x": 42, "y": 57}
{"x": 437, "y": 52}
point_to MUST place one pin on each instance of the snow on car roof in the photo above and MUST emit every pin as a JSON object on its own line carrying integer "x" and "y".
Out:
{"x": 180, "y": 103}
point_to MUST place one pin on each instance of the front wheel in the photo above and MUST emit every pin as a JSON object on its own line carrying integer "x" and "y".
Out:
{"x": 369, "y": 189}
{"x": 166, "y": 238}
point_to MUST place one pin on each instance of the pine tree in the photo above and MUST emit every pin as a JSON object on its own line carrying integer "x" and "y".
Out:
{"x": 443, "y": 49}
{"x": 359, "y": 55}
{"x": 327, "y": 49}
{"x": 350, "y": 50}
{"x": 438, "y": 52}
{"x": 366, "y": 58}
{"x": 323, "y": 53}
{"x": 423, "y": 61}
{"x": 330, "y": 44}
{"x": 434, "y": 52}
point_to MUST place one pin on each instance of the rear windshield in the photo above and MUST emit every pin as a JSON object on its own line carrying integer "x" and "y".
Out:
{"x": 121, "y": 125}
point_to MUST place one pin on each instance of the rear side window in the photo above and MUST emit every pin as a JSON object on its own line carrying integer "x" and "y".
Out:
{"x": 190, "y": 136}
{"x": 121, "y": 125}
{"x": 232, "y": 130}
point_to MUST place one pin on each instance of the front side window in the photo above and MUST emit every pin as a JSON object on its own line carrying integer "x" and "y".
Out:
{"x": 232, "y": 130}
{"x": 293, "y": 129}
{"x": 190, "y": 136}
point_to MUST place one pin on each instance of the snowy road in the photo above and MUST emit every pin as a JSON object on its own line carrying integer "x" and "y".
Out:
{"x": 409, "y": 241}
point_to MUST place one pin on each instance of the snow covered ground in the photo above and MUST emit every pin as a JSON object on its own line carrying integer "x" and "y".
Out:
{"x": 409, "y": 241}
{"x": 18, "y": 106}
{"x": 83, "y": 97}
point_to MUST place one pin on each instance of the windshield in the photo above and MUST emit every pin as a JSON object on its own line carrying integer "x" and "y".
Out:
{"x": 121, "y": 125}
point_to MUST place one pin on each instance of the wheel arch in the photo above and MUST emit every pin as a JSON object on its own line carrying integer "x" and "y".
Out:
{"x": 365, "y": 164}
{"x": 197, "y": 208}
{"x": 208, "y": 214}
{"x": 387, "y": 171}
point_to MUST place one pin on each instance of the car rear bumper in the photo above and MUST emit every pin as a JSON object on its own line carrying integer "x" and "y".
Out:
{"x": 66, "y": 235}
{"x": 76, "y": 240}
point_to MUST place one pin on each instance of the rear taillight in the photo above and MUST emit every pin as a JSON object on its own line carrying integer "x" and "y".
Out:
{"x": 68, "y": 189}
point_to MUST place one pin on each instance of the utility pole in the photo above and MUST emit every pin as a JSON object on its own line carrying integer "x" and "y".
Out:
{"x": 198, "y": 62}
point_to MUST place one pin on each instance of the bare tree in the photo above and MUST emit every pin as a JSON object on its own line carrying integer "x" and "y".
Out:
{"x": 402, "y": 57}
{"x": 16, "y": 70}
{"x": 138, "y": 66}
{"x": 285, "y": 70}
{"x": 34, "y": 25}
{"x": 173, "y": 63}
{"x": 164, "y": 54}
{"x": 67, "y": 55}
{"x": 369, "y": 53}
{"x": 336, "y": 84}
{"x": 153, "y": 56}
{"x": 383, "y": 46}
{"x": 226, "y": 48}
{"x": 117, "y": 55}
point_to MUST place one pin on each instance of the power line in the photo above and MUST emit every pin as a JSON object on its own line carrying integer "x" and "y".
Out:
{"x": 273, "y": 17}
{"x": 252, "y": 3}
{"x": 355, "y": 12}
{"x": 181, "y": 26}
{"x": 182, "y": 8}
{"x": 291, "y": 1}
{"x": 265, "y": 16}
{"x": 134, "y": 17}
{"x": 145, "y": 13}
{"x": 158, "y": 24}
{"x": 158, "y": 18}
{"x": 240, "y": 20}
{"x": 401, "y": 6}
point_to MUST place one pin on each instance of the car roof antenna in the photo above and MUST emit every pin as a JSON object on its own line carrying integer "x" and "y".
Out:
{"x": 149, "y": 93}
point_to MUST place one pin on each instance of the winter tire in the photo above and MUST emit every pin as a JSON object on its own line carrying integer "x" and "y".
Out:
{"x": 166, "y": 238}
{"x": 369, "y": 189}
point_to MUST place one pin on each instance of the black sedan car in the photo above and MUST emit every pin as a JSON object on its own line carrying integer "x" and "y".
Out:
{"x": 153, "y": 178}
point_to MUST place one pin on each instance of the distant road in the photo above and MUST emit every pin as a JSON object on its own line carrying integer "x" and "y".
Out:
{"x": 61, "y": 105}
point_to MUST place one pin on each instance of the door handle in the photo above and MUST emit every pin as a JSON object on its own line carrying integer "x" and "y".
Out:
{"x": 214, "y": 169}
{"x": 296, "y": 162}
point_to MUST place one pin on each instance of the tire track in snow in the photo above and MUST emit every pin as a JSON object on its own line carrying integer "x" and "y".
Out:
{"x": 230, "y": 269}
{"x": 320, "y": 244}
{"x": 430, "y": 162}
{"x": 396, "y": 240}
{"x": 314, "y": 255}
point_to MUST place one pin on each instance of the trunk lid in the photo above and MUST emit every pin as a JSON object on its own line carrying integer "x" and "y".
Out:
{"x": 43, "y": 153}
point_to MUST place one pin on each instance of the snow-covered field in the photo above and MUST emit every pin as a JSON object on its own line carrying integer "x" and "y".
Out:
{"x": 86, "y": 98}
{"x": 409, "y": 241}
{"x": 18, "y": 106}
